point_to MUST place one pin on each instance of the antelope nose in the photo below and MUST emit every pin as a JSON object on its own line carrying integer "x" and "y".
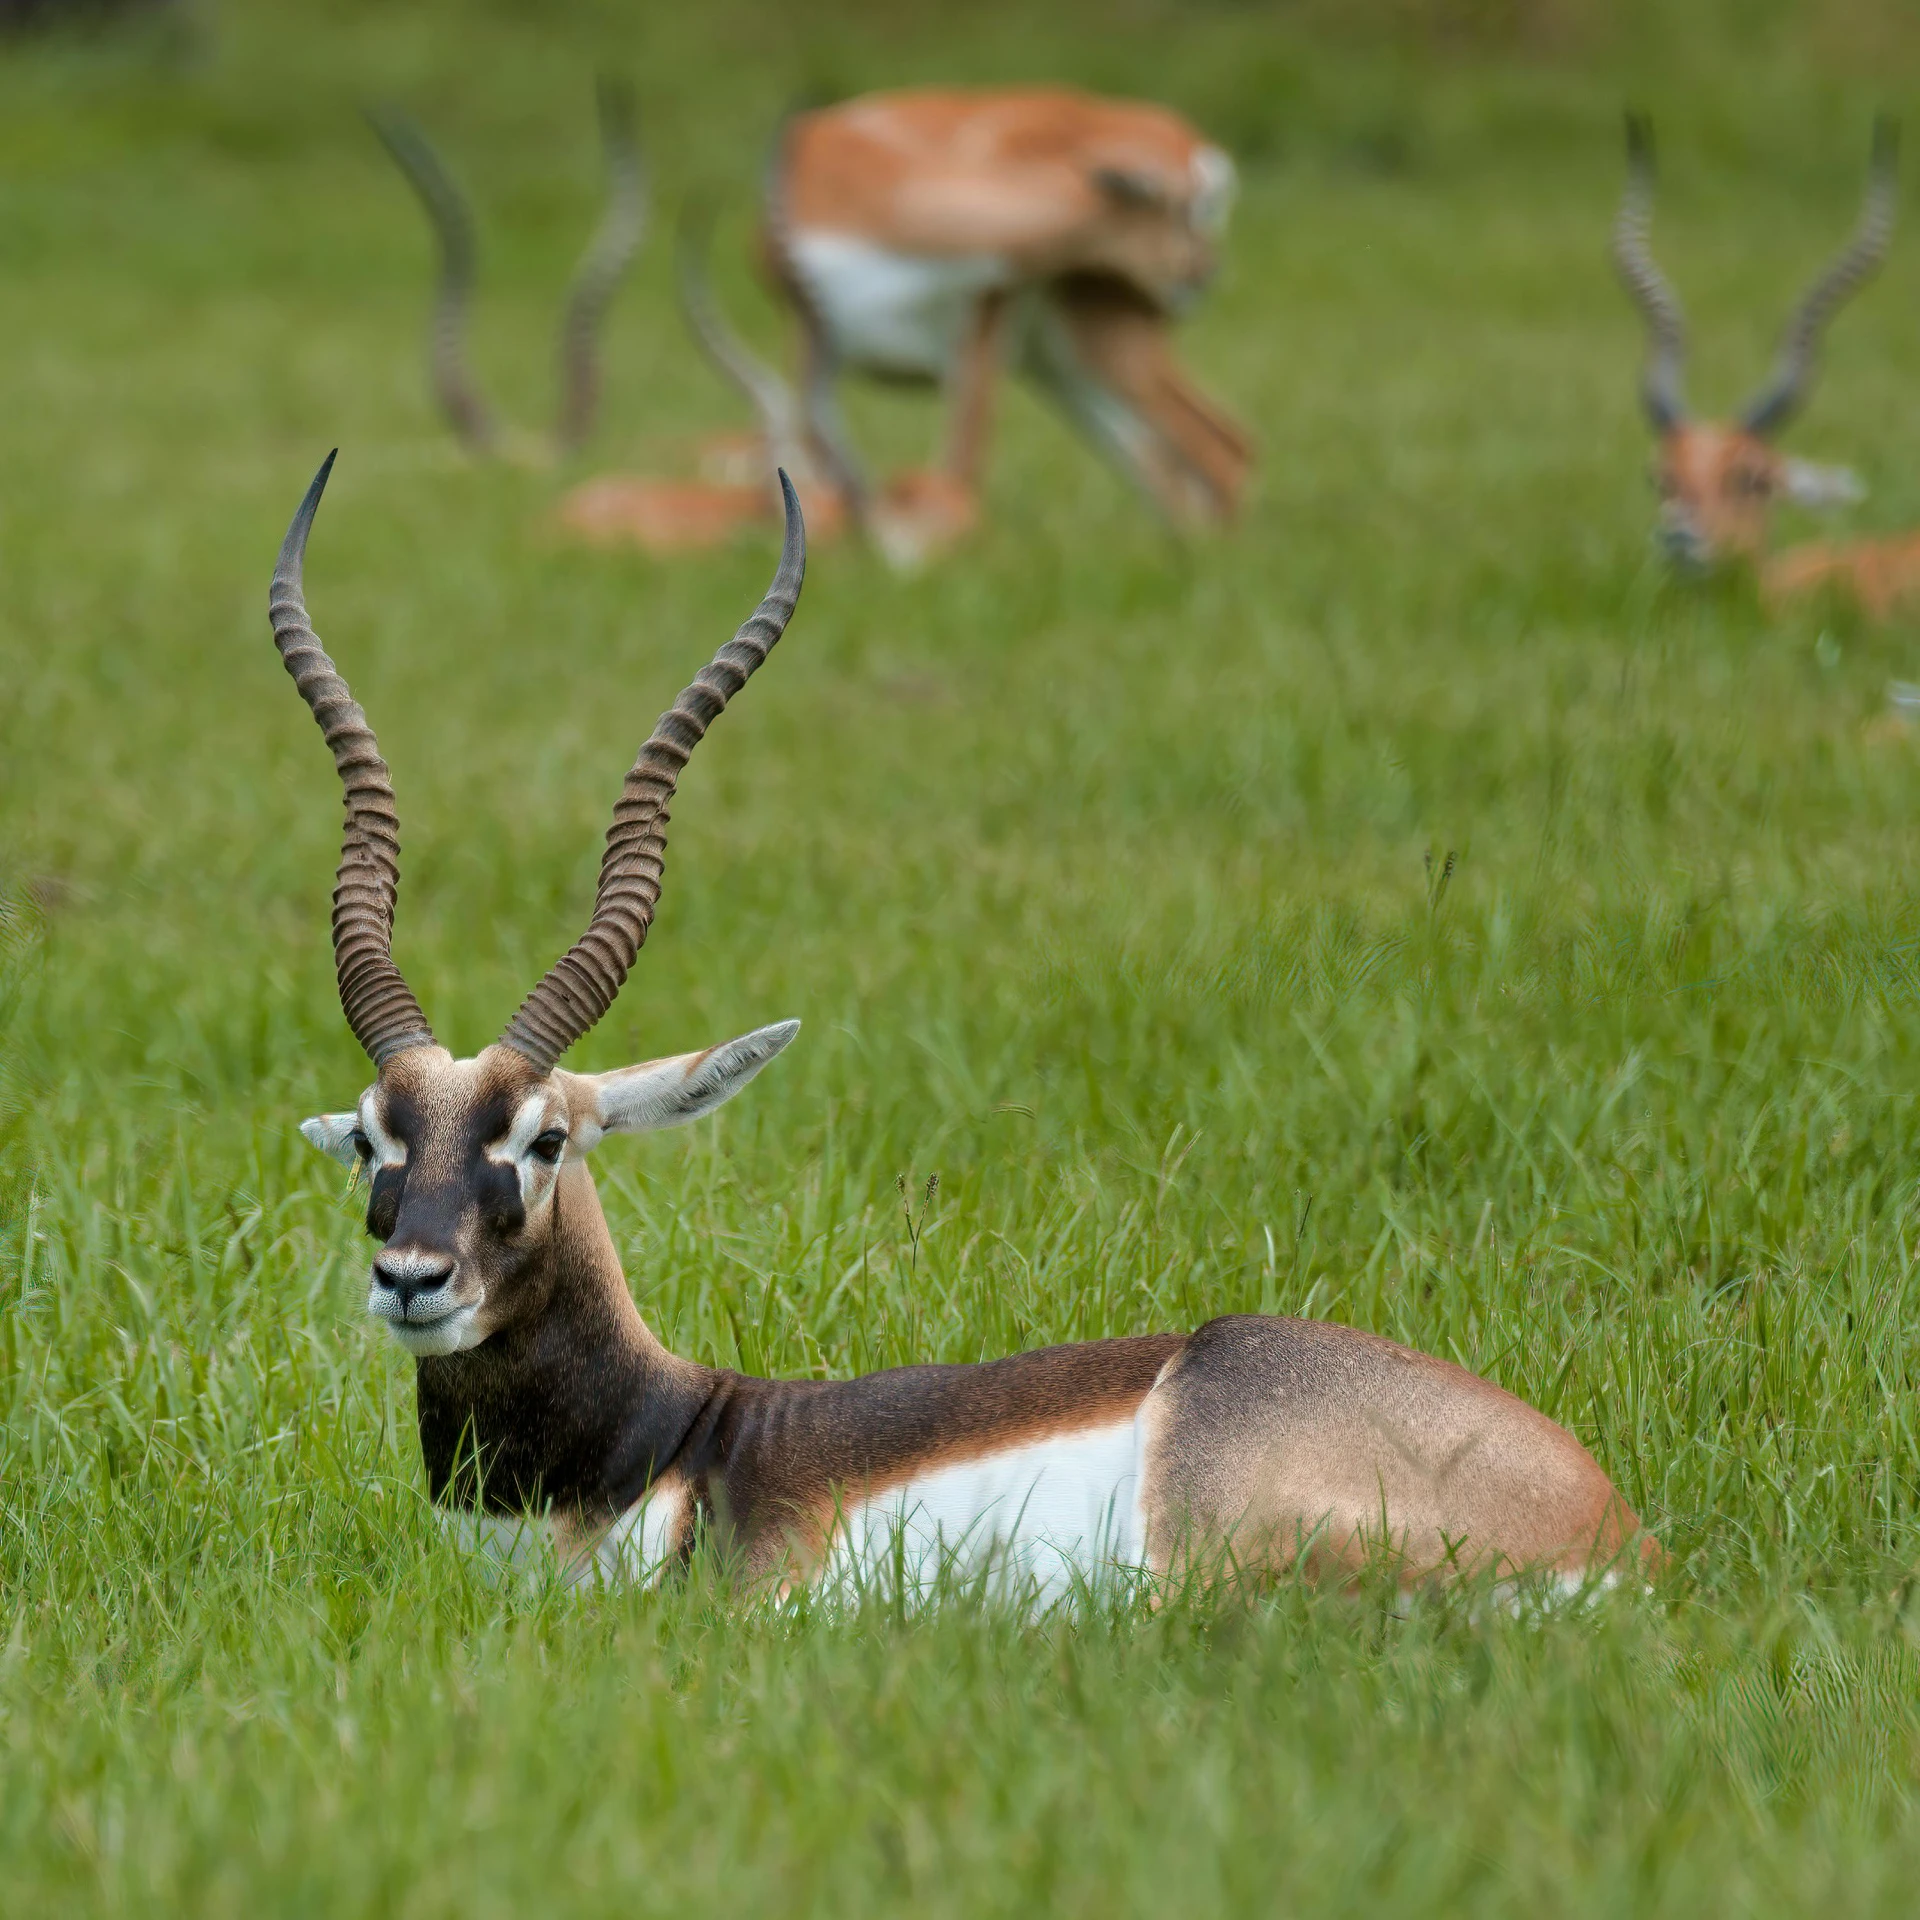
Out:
{"x": 1684, "y": 542}
{"x": 408, "y": 1274}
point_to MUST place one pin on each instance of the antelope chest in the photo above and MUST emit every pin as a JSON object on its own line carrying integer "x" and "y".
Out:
{"x": 636, "y": 1550}
{"x": 1042, "y": 1516}
{"x": 892, "y": 313}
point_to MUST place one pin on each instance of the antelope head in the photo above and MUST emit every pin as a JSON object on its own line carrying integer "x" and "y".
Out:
{"x": 602, "y": 267}
{"x": 1720, "y": 480}
{"x": 1160, "y": 222}
{"x": 477, "y": 1168}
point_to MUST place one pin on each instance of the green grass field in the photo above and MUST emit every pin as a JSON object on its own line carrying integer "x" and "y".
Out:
{"x": 1097, "y": 871}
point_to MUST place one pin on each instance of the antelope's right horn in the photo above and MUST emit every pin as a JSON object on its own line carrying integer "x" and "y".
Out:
{"x": 452, "y": 222}
{"x": 380, "y": 1007}
{"x": 1662, "y": 381}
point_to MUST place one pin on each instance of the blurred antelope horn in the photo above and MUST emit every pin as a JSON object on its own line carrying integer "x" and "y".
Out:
{"x": 602, "y": 267}
{"x": 776, "y": 407}
{"x": 1786, "y": 391}
{"x": 452, "y": 222}
{"x": 380, "y": 1008}
{"x": 582, "y": 984}
{"x": 825, "y": 433}
{"x": 1662, "y": 381}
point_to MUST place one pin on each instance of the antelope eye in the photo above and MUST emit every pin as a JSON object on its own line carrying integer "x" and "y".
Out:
{"x": 550, "y": 1145}
{"x": 361, "y": 1145}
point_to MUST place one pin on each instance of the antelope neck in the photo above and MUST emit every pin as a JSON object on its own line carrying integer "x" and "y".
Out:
{"x": 577, "y": 1404}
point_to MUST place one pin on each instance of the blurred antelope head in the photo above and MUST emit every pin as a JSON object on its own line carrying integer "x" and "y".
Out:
{"x": 479, "y": 1194}
{"x": 1719, "y": 481}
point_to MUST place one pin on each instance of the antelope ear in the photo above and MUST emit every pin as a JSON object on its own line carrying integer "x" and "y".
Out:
{"x": 669, "y": 1093}
{"x": 333, "y": 1134}
{"x": 1811, "y": 485}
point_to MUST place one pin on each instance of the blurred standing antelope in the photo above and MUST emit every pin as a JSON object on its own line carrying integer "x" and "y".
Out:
{"x": 1720, "y": 480}
{"x": 935, "y": 237}
{"x": 543, "y": 1396}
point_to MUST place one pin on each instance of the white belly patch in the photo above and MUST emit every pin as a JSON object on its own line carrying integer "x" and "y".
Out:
{"x": 1032, "y": 1521}
{"x": 890, "y": 312}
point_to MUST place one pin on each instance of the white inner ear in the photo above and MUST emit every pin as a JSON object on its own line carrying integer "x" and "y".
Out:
{"x": 669, "y": 1093}
{"x": 1811, "y": 485}
{"x": 333, "y": 1133}
{"x": 1214, "y": 185}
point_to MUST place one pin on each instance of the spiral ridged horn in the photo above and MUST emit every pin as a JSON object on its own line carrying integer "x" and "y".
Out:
{"x": 452, "y": 222}
{"x": 582, "y": 984}
{"x": 1786, "y": 391}
{"x": 776, "y": 406}
{"x": 380, "y": 1008}
{"x": 602, "y": 267}
{"x": 1662, "y": 382}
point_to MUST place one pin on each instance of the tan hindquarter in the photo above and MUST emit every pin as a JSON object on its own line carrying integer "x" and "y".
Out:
{"x": 1881, "y": 575}
{"x": 1284, "y": 1440}
{"x": 1005, "y": 171}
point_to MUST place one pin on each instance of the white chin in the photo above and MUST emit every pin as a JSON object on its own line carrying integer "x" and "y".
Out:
{"x": 451, "y": 1334}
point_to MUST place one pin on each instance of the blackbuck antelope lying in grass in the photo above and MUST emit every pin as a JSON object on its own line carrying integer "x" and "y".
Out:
{"x": 932, "y": 238}
{"x": 1720, "y": 480}
{"x": 544, "y": 1397}
{"x": 596, "y": 279}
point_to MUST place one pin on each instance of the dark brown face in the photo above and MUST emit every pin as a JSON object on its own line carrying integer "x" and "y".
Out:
{"x": 461, "y": 1158}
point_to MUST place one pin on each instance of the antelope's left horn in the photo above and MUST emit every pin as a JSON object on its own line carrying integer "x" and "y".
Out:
{"x": 1786, "y": 391}
{"x": 602, "y": 267}
{"x": 1662, "y": 383}
{"x": 825, "y": 433}
{"x": 582, "y": 983}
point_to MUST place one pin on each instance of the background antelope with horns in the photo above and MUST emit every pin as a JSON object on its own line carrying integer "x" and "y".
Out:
{"x": 1720, "y": 480}
{"x": 542, "y": 1392}
{"x": 596, "y": 279}
{"x": 935, "y": 237}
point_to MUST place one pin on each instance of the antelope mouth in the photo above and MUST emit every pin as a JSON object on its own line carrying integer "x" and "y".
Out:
{"x": 425, "y": 1323}
{"x": 1685, "y": 545}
